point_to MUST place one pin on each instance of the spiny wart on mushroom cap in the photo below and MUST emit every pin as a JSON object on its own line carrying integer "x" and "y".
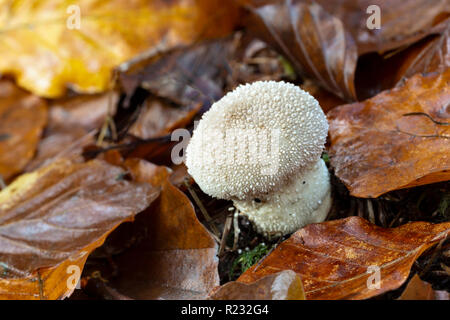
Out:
{"x": 258, "y": 141}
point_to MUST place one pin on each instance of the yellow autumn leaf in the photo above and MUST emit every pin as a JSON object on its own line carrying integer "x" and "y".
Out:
{"x": 49, "y": 45}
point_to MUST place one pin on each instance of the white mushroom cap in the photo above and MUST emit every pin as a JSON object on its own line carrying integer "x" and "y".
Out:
{"x": 307, "y": 199}
{"x": 227, "y": 154}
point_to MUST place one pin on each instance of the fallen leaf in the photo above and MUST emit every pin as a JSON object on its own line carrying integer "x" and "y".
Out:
{"x": 51, "y": 220}
{"x": 158, "y": 118}
{"x": 60, "y": 143}
{"x": 338, "y": 259}
{"x": 86, "y": 111}
{"x": 418, "y": 289}
{"x": 49, "y": 45}
{"x": 72, "y": 125}
{"x": 23, "y": 117}
{"x": 178, "y": 259}
{"x": 402, "y": 21}
{"x": 315, "y": 41}
{"x": 397, "y": 139}
{"x": 184, "y": 76}
{"x": 323, "y": 39}
{"x": 376, "y": 72}
{"x": 285, "y": 285}
{"x": 427, "y": 56}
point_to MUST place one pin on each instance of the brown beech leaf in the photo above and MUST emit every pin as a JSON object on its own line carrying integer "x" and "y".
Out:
{"x": 22, "y": 120}
{"x": 376, "y": 73}
{"x": 338, "y": 259}
{"x": 186, "y": 75}
{"x": 178, "y": 259}
{"x": 314, "y": 41}
{"x": 61, "y": 142}
{"x": 72, "y": 125}
{"x": 159, "y": 118}
{"x": 402, "y": 21}
{"x": 86, "y": 111}
{"x": 427, "y": 56}
{"x": 285, "y": 285}
{"x": 418, "y": 289}
{"x": 323, "y": 38}
{"x": 51, "y": 220}
{"x": 397, "y": 139}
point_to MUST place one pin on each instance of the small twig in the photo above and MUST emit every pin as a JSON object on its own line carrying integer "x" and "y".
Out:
{"x": 381, "y": 215}
{"x": 126, "y": 146}
{"x": 41, "y": 285}
{"x": 397, "y": 216}
{"x": 203, "y": 211}
{"x": 433, "y": 258}
{"x": 360, "y": 208}
{"x": 97, "y": 286}
{"x": 226, "y": 231}
{"x": 370, "y": 211}
{"x": 108, "y": 124}
{"x": 237, "y": 231}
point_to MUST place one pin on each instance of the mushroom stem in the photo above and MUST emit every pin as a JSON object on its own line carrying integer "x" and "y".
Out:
{"x": 305, "y": 199}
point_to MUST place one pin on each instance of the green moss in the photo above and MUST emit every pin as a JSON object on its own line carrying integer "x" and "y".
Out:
{"x": 325, "y": 157}
{"x": 288, "y": 69}
{"x": 247, "y": 259}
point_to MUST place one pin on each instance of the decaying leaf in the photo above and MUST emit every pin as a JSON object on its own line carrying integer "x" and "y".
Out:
{"x": 159, "y": 118}
{"x": 184, "y": 76}
{"x": 339, "y": 259}
{"x": 285, "y": 285}
{"x": 22, "y": 120}
{"x": 418, "y": 289}
{"x": 397, "y": 139}
{"x": 49, "y": 45}
{"x": 323, "y": 38}
{"x": 426, "y": 56}
{"x": 72, "y": 125}
{"x": 178, "y": 258}
{"x": 51, "y": 220}
{"x": 86, "y": 111}
{"x": 376, "y": 72}
{"x": 402, "y": 21}
{"x": 314, "y": 41}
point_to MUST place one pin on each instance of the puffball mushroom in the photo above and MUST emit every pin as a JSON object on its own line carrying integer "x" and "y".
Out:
{"x": 260, "y": 146}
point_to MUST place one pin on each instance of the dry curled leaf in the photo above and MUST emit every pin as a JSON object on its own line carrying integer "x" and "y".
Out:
{"x": 314, "y": 41}
{"x": 426, "y": 56}
{"x": 337, "y": 259}
{"x": 402, "y": 21}
{"x": 418, "y": 289}
{"x": 323, "y": 38}
{"x": 22, "y": 120}
{"x": 51, "y": 220}
{"x": 285, "y": 285}
{"x": 397, "y": 139}
{"x": 177, "y": 259}
{"x": 376, "y": 72}
{"x": 49, "y": 45}
{"x": 185, "y": 76}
